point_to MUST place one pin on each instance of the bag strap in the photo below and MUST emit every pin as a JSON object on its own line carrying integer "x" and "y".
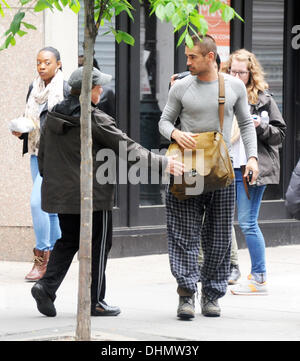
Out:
{"x": 221, "y": 100}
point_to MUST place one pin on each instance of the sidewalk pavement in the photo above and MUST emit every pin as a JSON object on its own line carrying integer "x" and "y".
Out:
{"x": 146, "y": 292}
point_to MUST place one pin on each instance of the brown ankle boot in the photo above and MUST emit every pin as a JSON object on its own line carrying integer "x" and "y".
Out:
{"x": 40, "y": 261}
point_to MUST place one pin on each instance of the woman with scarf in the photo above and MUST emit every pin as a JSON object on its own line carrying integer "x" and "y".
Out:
{"x": 47, "y": 89}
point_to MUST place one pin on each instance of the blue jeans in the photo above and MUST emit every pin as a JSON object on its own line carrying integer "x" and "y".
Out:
{"x": 248, "y": 211}
{"x": 45, "y": 225}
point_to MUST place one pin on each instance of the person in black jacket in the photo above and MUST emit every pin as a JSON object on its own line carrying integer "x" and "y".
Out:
{"x": 107, "y": 101}
{"x": 59, "y": 164}
{"x": 292, "y": 201}
{"x": 47, "y": 89}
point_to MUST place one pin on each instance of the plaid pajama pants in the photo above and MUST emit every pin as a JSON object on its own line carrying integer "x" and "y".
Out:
{"x": 186, "y": 227}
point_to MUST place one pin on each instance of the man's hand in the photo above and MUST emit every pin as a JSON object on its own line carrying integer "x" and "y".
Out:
{"x": 251, "y": 165}
{"x": 174, "y": 167}
{"x": 184, "y": 139}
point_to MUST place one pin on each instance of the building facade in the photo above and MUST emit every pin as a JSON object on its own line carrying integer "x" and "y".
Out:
{"x": 140, "y": 80}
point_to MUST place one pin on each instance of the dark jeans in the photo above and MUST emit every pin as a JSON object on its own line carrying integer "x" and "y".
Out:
{"x": 66, "y": 247}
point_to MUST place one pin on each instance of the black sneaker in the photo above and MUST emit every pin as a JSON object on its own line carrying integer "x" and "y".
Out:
{"x": 235, "y": 274}
{"x": 103, "y": 309}
{"x": 186, "y": 307}
{"x": 44, "y": 303}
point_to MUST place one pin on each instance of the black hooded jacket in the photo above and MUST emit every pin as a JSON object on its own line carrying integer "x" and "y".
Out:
{"x": 59, "y": 158}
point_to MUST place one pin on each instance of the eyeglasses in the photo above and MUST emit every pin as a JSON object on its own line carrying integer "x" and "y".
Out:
{"x": 239, "y": 73}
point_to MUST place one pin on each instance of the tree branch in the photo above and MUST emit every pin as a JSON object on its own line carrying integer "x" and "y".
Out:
{"x": 103, "y": 5}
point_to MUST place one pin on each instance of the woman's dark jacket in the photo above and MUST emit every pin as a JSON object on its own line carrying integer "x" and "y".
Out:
{"x": 270, "y": 136}
{"x": 59, "y": 157}
{"x": 43, "y": 114}
{"x": 293, "y": 193}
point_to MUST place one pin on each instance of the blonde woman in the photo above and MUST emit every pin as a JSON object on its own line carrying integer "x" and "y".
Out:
{"x": 270, "y": 130}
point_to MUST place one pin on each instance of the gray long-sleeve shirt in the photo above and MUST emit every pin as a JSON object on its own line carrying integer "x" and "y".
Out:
{"x": 196, "y": 103}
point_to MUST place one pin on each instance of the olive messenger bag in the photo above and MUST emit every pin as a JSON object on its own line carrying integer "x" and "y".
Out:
{"x": 208, "y": 166}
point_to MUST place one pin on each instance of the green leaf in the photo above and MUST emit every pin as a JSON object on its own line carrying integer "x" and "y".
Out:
{"x": 28, "y": 26}
{"x": 215, "y": 6}
{"x": 128, "y": 4}
{"x": 24, "y": 2}
{"x": 194, "y": 31}
{"x": 123, "y": 7}
{"x": 21, "y": 33}
{"x": 195, "y": 20}
{"x": 74, "y": 5}
{"x": 180, "y": 25}
{"x": 16, "y": 22}
{"x": 64, "y": 2}
{"x": 123, "y": 36}
{"x": 6, "y": 4}
{"x": 113, "y": 30}
{"x": 169, "y": 11}
{"x": 238, "y": 16}
{"x": 190, "y": 7}
{"x": 7, "y": 41}
{"x": 106, "y": 33}
{"x": 19, "y": 16}
{"x": 57, "y": 5}
{"x": 182, "y": 36}
{"x": 227, "y": 14}
{"x": 160, "y": 12}
{"x": 119, "y": 8}
{"x": 189, "y": 41}
{"x": 203, "y": 26}
{"x": 176, "y": 19}
{"x": 129, "y": 13}
{"x": 13, "y": 41}
{"x": 119, "y": 37}
{"x": 42, "y": 5}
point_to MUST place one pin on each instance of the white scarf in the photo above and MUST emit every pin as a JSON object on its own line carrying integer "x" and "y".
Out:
{"x": 52, "y": 94}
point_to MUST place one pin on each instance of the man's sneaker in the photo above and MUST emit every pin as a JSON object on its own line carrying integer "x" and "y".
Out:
{"x": 210, "y": 308}
{"x": 44, "y": 303}
{"x": 235, "y": 274}
{"x": 103, "y": 309}
{"x": 251, "y": 288}
{"x": 186, "y": 307}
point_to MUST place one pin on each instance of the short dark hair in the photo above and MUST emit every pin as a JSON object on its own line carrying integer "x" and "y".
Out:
{"x": 205, "y": 43}
{"x": 52, "y": 50}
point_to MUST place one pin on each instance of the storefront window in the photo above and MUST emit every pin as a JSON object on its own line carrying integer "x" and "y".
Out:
{"x": 156, "y": 68}
{"x": 267, "y": 45}
{"x": 104, "y": 47}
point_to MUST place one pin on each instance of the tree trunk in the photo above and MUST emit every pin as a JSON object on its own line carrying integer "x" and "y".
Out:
{"x": 83, "y": 331}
